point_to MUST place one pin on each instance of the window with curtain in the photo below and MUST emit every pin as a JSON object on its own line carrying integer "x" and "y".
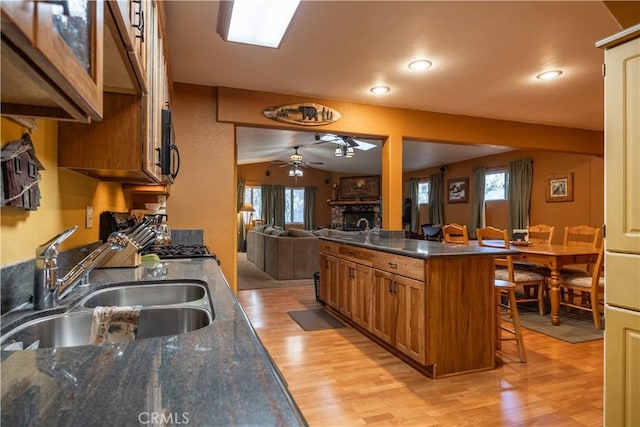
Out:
{"x": 293, "y": 205}
{"x": 253, "y": 195}
{"x": 495, "y": 185}
{"x": 423, "y": 192}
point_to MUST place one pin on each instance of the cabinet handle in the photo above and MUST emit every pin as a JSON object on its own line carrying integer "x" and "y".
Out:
{"x": 140, "y": 24}
{"x": 393, "y": 265}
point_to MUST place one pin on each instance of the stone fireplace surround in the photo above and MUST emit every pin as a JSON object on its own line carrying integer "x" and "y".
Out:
{"x": 352, "y": 213}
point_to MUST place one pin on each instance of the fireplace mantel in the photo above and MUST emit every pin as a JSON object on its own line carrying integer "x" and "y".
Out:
{"x": 353, "y": 202}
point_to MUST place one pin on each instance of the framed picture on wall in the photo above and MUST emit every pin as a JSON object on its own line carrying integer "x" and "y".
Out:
{"x": 559, "y": 188}
{"x": 359, "y": 187}
{"x": 458, "y": 190}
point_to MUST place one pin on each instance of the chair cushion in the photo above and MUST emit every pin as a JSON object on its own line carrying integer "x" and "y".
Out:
{"x": 519, "y": 275}
{"x": 583, "y": 280}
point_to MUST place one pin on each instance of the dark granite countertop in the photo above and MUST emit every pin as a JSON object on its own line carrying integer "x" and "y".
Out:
{"x": 422, "y": 249}
{"x": 219, "y": 375}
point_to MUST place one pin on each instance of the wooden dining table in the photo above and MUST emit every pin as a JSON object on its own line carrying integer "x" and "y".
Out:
{"x": 555, "y": 257}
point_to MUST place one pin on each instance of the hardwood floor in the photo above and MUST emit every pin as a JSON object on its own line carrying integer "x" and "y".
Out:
{"x": 340, "y": 378}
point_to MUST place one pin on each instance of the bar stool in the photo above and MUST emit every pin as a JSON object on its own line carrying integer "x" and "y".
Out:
{"x": 503, "y": 287}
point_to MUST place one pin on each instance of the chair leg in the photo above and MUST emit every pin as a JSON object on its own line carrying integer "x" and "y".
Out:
{"x": 541, "y": 299}
{"x": 498, "y": 296}
{"x": 515, "y": 316}
{"x": 595, "y": 309}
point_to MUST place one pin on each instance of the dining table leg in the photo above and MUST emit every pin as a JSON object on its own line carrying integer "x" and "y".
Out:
{"x": 554, "y": 295}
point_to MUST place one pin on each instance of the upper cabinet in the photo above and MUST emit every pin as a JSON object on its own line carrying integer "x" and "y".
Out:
{"x": 52, "y": 59}
{"x": 126, "y": 39}
{"x": 126, "y": 145}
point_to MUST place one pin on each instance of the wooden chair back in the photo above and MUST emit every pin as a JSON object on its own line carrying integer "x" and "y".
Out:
{"x": 582, "y": 235}
{"x": 541, "y": 233}
{"x": 455, "y": 233}
{"x": 496, "y": 238}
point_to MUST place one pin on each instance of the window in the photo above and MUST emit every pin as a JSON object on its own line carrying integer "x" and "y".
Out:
{"x": 253, "y": 195}
{"x": 495, "y": 185}
{"x": 423, "y": 192}
{"x": 293, "y": 205}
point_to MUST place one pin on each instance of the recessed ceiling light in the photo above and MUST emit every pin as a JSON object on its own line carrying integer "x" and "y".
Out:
{"x": 420, "y": 65}
{"x": 549, "y": 75}
{"x": 380, "y": 89}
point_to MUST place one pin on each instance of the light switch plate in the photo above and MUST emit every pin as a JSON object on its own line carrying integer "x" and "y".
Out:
{"x": 89, "y": 217}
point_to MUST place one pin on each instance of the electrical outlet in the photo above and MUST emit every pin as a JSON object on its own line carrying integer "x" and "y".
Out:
{"x": 89, "y": 217}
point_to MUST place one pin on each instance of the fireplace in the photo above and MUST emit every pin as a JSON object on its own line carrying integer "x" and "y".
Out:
{"x": 350, "y": 220}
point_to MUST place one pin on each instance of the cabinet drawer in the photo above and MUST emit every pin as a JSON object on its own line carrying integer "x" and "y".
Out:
{"x": 329, "y": 248}
{"x": 360, "y": 256}
{"x": 402, "y": 265}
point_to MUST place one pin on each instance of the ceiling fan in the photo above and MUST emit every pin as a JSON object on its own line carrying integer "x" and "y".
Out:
{"x": 295, "y": 160}
{"x": 344, "y": 140}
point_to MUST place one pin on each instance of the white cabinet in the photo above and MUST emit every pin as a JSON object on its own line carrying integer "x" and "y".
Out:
{"x": 622, "y": 217}
{"x": 52, "y": 59}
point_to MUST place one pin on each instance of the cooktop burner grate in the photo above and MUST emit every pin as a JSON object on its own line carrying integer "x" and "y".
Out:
{"x": 180, "y": 251}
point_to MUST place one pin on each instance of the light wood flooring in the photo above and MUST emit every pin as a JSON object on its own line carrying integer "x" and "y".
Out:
{"x": 338, "y": 377}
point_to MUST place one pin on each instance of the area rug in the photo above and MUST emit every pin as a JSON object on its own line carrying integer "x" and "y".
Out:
{"x": 573, "y": 328}
{"x": 314, "y": 320}
{"x": 251, "y": 277}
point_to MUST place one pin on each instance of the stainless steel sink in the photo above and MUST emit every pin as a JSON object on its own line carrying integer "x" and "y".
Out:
{"x": 74, "y": 328}
{"x": 146, "y": 295}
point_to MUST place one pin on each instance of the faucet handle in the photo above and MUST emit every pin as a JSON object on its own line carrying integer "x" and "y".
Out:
{"x": 50, "y": 248}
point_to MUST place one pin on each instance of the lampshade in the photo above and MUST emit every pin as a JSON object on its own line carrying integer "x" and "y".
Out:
{"x": 246, "y": 207}
{"x": 338, "y": 152}
{"x": 350, "y": 152}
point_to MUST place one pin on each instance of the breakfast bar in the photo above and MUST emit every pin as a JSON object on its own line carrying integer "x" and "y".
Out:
{"x": 430, "y": 303}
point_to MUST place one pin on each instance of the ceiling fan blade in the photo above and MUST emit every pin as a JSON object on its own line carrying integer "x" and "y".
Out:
{"x": 315, "y": 163}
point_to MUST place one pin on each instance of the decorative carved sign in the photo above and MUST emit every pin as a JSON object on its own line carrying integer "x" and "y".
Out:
{"x": 308, "y": 114}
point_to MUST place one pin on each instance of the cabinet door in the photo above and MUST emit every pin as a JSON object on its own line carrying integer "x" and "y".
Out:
{"x": 410, "y": 317}
{"x": 622, "y": 147}
{"x": 362, "y": 296}
{"x": 329, "y": 280}
{"x": 54, "y": 55}
{"x": 622, "y": 365}
{"x": 346, "y": 284}
{"x": 383, "y": 306}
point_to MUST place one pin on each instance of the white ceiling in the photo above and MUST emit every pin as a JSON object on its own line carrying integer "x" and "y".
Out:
{"x": 485, "y": 58}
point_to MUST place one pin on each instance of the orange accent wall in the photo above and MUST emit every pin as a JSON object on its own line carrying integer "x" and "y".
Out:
{"x": 586, "y": 208}
{"x": 64, "y": 198}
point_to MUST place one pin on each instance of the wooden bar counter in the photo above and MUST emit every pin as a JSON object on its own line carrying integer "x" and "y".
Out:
{"x": 430, "y": 303}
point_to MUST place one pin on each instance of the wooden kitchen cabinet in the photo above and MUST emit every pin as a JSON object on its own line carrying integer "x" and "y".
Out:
{"x": 436, "y": 313}
{"x": 329, "y": 280}
{"x": 52, "y": 59}
{"x": 399, "y": 313}
{"x": 125, "y": 145}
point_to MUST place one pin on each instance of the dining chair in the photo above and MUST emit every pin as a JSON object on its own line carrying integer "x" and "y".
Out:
{"x": 508, "y": 306}
{"x": 581, "y": 236}
{"x": 541, "y": 233}
{"x": 495, "y": 237}
{"x": 589, "y": 288}
{"x": 455, "y": 233}
{"x": 431, "y": 232}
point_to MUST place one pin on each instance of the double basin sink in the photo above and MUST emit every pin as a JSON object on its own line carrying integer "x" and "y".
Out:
{"x": 167, "y": 308}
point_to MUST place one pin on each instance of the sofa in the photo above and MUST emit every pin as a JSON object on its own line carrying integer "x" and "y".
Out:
{"x": 284, "y": 255}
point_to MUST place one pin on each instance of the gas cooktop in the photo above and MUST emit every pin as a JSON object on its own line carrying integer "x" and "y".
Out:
{"x": 176, "y": 251}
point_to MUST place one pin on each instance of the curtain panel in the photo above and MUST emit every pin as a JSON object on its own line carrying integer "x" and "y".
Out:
{"x": 520, "y": 183}
{"x": 436, "y": 204}
{"x": 413, "y": 195}
{"x": 309, "y": 207}
{"x": 477, "y": 202}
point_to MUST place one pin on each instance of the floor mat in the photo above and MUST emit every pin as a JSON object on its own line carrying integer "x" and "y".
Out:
{"x": 316, "y": 319}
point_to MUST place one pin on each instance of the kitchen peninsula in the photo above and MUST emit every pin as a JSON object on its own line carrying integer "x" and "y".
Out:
{"x": 430, "y": 303}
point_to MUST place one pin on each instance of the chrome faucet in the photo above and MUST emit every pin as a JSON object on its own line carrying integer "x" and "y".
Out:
{"x": 47, "y": 288}
{"x": 366, "y": 224}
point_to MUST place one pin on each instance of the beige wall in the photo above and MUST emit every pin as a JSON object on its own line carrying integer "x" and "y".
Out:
{"x": 65, "y": 195}
{"x": 586, "y": 208}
